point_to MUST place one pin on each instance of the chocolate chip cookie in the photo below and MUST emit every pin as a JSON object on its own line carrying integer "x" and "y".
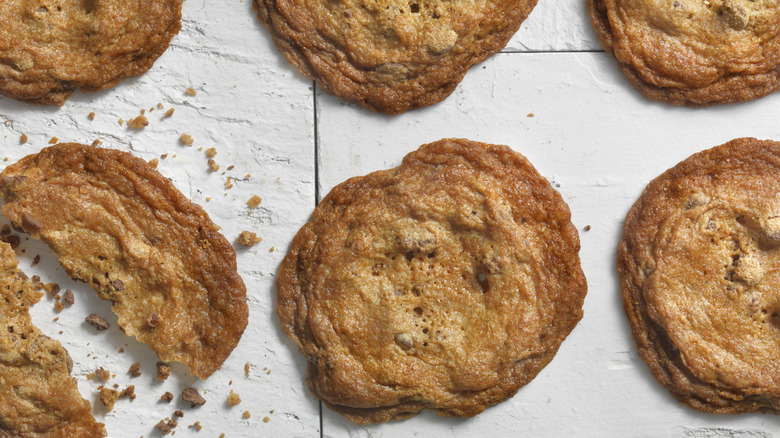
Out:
{"x": 693, "y": 52}
{"x": 446, "y": 283}
{"x": 121, "y": 227}
{"x": 50, "y": 48}
{"x": 390, "y": 56}
{"x": 699, "y": 266}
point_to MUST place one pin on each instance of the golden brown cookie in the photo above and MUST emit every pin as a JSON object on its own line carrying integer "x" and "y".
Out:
{"x": 390, "y": 56}
{"x": 120, "y": 226}
{"x": 50, "y": 48}
{"x": 699, "y": 268}
{"x": 693, "y": 52}
{"x": 446, "y": 283}
{"x": 38, "y": 397}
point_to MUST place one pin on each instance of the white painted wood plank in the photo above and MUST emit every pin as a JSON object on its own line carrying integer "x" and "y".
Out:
{"x": 258, "y": 113}
{"x": 556, "y": 25}
{"x": 599, "y": 142}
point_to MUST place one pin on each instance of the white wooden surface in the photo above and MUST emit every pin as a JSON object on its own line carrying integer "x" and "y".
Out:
{"x": 595, "y": 138}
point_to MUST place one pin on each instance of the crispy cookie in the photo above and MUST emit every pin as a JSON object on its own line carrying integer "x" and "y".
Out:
{"x": 38, "y": 397}
{"x": 390, "y": 56}
{"x": 693, "y": 52}
{"x": 120, "y": 226}
{"x": 699, "y": 266}
{"x": 446, "y": 283}
{"x": 50, "y": 48}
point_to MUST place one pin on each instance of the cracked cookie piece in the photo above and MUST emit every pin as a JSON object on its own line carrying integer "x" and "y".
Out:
{"x": 693, "y": 52}
{"x": 50, "y": 48}
{"x": 390, "y": 56}
{"x": 120, "y": 226}
{"x": 699, "y": 266}
{"x": 446, "y": 283}
{"x": 38, "y": 397}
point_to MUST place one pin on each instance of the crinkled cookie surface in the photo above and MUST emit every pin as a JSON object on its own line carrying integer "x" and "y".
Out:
{"x": 446, "y": 283}
{"x": 120, "y": 226}
{"x": 390, "y": 55}
{"x": 699, "y": 264}
{"x": 50, "y": 48}
{"x": 693, "y": 52}
{"x": 38, "y": 397}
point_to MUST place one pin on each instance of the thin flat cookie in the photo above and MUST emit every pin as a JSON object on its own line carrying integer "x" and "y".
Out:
{"x": 693, "y": 52}
{"x": 50, "y": 48}
{"x": 120, "y": 226}
{"x": 38, "y": 397}
{"x": 446, "y": 283}
{"x": 699, "y": 266}
{"x": 390, "y": 56}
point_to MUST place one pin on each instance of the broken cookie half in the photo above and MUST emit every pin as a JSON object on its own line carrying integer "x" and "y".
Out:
{"x": 120, "y": 226}
{"x": 38, "y": 397}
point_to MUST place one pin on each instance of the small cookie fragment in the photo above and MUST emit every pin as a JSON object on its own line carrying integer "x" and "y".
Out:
{"x": 68, "y": 297}
{"x": 103, "y": 373}
{"x": 135, "y": 370}
{"x": 187, "y": 139}
{"x": 139, "y": 122}
{"x": 163, "y": 427}
{"x": 248, "y": 238}
{"x": 23, "y": 139}
{"x": 190, "y": 91}
{"x": 254, "y": 201}
{"x": 167, "y": 397}
{"x": 233, "y": 399}
{"x": 163, "y": 371}
{"x": 97, "y": 321}
{"x": 108, "y": 397}
{"x": 191, "y": 395}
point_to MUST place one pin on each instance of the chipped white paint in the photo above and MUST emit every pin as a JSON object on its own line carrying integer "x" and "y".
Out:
{"x": 572, "y": 114}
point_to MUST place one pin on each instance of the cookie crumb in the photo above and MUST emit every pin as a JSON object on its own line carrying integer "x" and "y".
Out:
{"x": 233, "y": 399}
{"x": 587, "y": 228}
{"x": 247, "y": 414}
{"x": 196, "y": 425}
{"x": 54, "y": 140}
{"x": 91, "y": 116}
{"x": 96, "y": 143}
{"x": 178, "y": 413}
{"x": 187, "y": 139}
{"x": 266, "y": 419}
{"x": 246, "y": 369}
{"x": 163, "y": 371}
{"x": 228, "y": 184}
{"x": 154, "y": 162}
{"x": 135, "y": 370}
{"x": 271, "y": 249}
{"x": 530, "y": 115}
{"x": 163, "y": 427}
{"x": 121, "y": 121}
{"x": 36, "y": 260}
{"x": 213, "y": 165}
{"x": 108, "y": 397}
{"x": 103, "y": 373}
{"x": 191, "y": 395}
{"x": 248, "y": 238}
{"x": 230, "y": 167}
{"x": 211, "y": 152}
{"x": 58, "y": 306}
{"x": 254, "y": 201}
{"x": 128, "y": 392}
{"x": 68, "y": 297}
{"x": 169, "y": 113}
{"x": 168, "y": 397}
{"x": 23, "y": 139}
{"x": 139, "y": 122}
{"x": 97, "y": 321}
{"x": 190, "y": 91}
